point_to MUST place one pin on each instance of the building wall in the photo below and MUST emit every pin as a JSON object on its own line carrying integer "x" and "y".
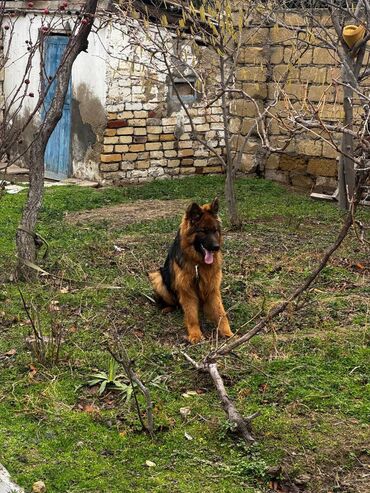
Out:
{"x": 267, "y": 56}
{"x": 141, "y": 140}
{"x": 88, "y": 87}
{"x": 128, "y": 128}
{"x": 148, "y": 134}
{"x": 2, "y": 99}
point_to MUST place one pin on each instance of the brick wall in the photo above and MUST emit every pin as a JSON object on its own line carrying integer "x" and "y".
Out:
{"x": 148, "y": 134}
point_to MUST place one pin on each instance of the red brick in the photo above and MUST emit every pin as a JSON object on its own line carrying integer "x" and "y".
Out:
{"x": 117, "y": 123}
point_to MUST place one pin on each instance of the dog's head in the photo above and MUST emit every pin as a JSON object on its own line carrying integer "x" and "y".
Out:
{"x": 204, "y": 229}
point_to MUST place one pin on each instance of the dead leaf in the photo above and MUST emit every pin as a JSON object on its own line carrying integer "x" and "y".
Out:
{"x": 149, "y": 463}
{"x": 189, "y": 393}
{"x": 11, "y": 352}
{"x": 187, "y": 436}
{"x": 263, "y": 387}
{"x": 87, "y": 407}
{"x": 32, "y": 372}
{"x": 53, "y": 307}
{"x": 244, "y": 393}
{"x": 359, "y": 266}
{"x": 185, "y": 411}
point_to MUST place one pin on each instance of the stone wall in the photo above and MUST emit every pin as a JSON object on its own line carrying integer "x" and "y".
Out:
{"x": 268, "y": 55}
{"x": 148, "y": 133}
{"x": 149, "y": 136}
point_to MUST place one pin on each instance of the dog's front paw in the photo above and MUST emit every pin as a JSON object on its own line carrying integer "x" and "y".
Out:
{"x": 226, "y": 333}
{"x": 195, "y": 337}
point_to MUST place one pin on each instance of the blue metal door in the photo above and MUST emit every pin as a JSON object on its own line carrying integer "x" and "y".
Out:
{"x": 58, "y": 151}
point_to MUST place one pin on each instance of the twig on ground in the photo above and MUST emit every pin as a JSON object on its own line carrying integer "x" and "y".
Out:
{"x": 124, "y": 360}
{"x": 241, "y": 424}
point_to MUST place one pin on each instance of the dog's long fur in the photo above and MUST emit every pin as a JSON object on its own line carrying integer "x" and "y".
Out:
{"x": 191, "y": 276}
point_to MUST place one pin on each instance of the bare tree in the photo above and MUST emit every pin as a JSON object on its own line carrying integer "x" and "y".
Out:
{"x": 205, "y": 43}
{"x": 78, "y": 41}
{"x": 342, "y": 30}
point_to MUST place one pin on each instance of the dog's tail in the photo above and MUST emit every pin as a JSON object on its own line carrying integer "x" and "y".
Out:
{"x": 160, "y": 289}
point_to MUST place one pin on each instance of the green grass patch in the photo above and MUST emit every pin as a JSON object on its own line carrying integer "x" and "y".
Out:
{"x": 308, "y": 377}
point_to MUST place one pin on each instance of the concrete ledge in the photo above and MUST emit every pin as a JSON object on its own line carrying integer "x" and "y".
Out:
{"x": 6, "y": 485}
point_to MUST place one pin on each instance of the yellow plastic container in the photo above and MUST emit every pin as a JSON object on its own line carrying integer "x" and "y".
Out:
{"x": 352, "y": 34}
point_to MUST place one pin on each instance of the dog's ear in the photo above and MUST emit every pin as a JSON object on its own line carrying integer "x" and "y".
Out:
{"x": 194, "y": 212}
{"x": 215, "y": 206}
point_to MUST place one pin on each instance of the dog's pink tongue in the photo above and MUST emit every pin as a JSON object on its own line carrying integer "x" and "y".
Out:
{"x": 208, "y": 259}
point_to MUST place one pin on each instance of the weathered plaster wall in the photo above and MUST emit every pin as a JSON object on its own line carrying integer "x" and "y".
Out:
{"x": 14, "y": 69}
{"x": 88, "y": 88}
{"x": 2, "y": 99}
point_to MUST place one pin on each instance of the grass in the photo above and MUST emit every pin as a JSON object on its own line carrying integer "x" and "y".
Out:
{"x": 308, "y": 376}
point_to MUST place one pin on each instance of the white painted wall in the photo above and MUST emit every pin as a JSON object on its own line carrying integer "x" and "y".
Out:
{"x": 16, "y": 48}
{"x": 90, "y": 67}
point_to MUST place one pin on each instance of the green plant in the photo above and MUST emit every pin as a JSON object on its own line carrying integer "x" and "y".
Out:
{"x": 110, "y": 380}
{"x": 44, "y": 348}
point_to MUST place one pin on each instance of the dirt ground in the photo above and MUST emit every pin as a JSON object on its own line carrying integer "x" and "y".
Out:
{"x": 124, "y": 214}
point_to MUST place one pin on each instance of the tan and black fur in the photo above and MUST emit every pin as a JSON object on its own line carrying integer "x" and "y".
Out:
{"x": 191, "y": 276}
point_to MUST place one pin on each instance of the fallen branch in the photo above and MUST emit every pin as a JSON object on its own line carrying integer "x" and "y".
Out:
{"x": 282, "y": 306}
{"x": 242, "y": 425}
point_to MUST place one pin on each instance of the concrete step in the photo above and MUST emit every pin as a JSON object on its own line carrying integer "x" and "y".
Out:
{"x": 6, "y": 485}
{"x": 16, "y": 174}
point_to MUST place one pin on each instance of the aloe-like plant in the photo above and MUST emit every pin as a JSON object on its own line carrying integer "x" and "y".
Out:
{"x": 110, "y": 380}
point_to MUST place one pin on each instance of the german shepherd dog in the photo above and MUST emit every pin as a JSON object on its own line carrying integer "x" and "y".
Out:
{"x": 191, "y": 276}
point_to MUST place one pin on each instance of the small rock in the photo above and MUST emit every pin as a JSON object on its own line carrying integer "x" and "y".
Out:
{"x": 302, "y": 480}
{"x": 274, "y": 471}
{"x": 39, "y": 487}
{"x": 185, "y": 412}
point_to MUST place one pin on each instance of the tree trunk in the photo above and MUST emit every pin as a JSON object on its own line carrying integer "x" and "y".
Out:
{"x": 346, "y": 171}
{"x": 229, "y": 182}
{"x": 25, "y": 237}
